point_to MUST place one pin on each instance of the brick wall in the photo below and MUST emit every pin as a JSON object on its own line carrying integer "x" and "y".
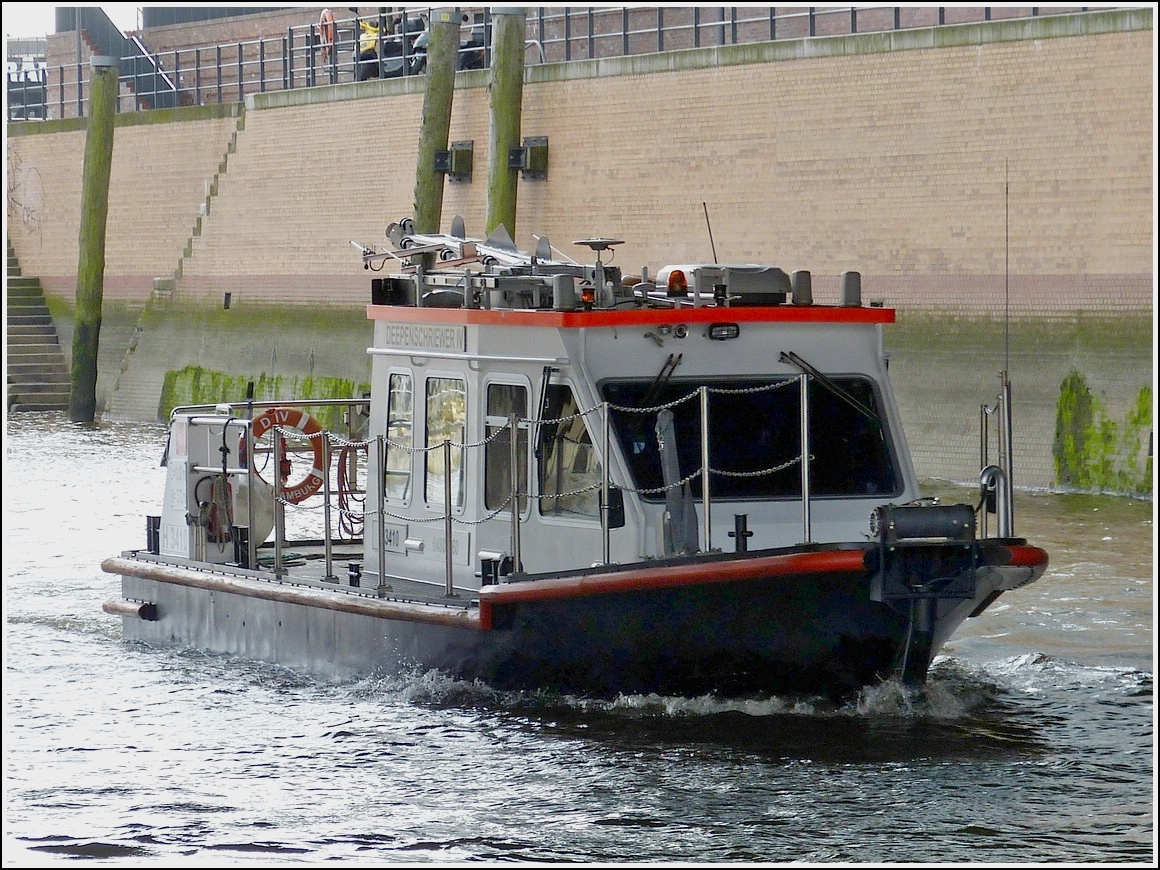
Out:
{"x": 159, "y": 181}
{"x": 962, "y": 177}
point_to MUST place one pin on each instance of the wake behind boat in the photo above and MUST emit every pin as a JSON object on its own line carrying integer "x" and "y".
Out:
{"x": 571, "y": 480}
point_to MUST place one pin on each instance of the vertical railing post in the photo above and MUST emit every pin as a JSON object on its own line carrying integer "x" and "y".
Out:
{"x": 331, "y": 62}
{"x": 606, "y": 547}
{"x": 380, "y": 470}
{"x": 251, "y": 543}
{"x": 326, "y": 542}
{"x": 707, "y": 536}
{"x": 80, "y": 94}
{"x": 197, "y": 76}
{"x": 261, "y": 66}
{"x": 804, "y": 381}
{"x": 1005, "y": 454}
{"x": 382, "y": 41}
{"x": 241, "y": 73}
{"x": 311, "y": 63}
{"x": 514, "y": 458}
{"x": 218, "y": 69}
{"x": 447, "y": 515}
{"x": 176, "y": 78}
{"x": 567, "y": 33}
{"x": 279, "y": 508}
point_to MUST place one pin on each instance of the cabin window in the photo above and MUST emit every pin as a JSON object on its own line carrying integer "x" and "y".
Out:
{"x": 754, "y": 430}
{"x": 446, "y": 421}
{"x": 504, "y": 400}
{"x": 569, "y": 470}
{"x": 400, "y": 413}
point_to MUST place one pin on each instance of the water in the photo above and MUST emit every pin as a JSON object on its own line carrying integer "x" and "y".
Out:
{"x": 1033, "y": 742}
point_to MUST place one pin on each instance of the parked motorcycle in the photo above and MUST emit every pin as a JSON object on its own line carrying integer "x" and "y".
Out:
{"x": 472, "y": 50}
{"x": 390, "y": 55}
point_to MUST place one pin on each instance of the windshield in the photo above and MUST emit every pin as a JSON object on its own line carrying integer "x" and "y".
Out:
{"x": 755, "y": 437}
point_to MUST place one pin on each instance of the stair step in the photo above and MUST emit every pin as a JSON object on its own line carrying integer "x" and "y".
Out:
{"x": 38, "y": 375}
{"x": 31, "y": 362}
{"x": 29, "y": 319}
{"x": 45, "y": 406}
{"x": 20, "y": 343}
{"x": 43, "y": 331}
{"x": 30, "y": 350}
{"x": 19, "y": 286}
{"x": 53, "y": 368}
{"x": 40, "y": 391}
{"x": 28, "y": 316}
{"x": 27, "y": 303}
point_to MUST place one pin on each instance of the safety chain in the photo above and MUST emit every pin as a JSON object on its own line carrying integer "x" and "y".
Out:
{"x": 343, "y": 442}
{"x": 626, "y": 409}
{"x": 346, "y": 443}
{"x": 761, "y": 472}
{"x": 651, "y": 410}
{"x": 745, "y": 391}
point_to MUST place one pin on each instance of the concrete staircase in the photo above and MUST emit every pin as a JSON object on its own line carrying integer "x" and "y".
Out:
{"x": 38, "y": 375}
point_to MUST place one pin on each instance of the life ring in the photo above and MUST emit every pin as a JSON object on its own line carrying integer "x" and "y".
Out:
{"x": 326, "y": 33}
{"x": 292, "y": 418}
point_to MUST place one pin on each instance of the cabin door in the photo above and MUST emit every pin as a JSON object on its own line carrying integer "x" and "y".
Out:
{"x": 564, "y": 525}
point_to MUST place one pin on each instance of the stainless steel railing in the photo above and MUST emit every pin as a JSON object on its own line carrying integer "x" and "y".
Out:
{"x": 304, "y": 57}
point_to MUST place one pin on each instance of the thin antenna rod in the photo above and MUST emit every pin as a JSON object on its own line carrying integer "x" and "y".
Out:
{"x": 1007, "y": 267}
{"x": 710, "y": 226}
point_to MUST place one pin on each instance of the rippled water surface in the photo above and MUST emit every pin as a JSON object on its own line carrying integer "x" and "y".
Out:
{"x": 1033, "y": 741}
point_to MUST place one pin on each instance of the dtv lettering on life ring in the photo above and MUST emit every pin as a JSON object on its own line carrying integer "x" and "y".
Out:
{"x": 300, "y": 421}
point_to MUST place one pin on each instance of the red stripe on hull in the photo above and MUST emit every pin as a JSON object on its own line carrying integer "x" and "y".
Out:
{"x": 667, "y": 577}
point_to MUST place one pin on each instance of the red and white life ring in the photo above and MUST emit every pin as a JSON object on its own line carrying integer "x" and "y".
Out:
{"x": 292, "y": 418}
{"x": 326, "y": 34}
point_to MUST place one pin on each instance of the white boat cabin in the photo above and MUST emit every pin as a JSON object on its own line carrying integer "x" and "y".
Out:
{"x": 612, "y": 389}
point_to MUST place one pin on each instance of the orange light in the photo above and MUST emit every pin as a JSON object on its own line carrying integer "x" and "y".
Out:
{"x": 678, "y": 283}
{"x": 588, "y": 295}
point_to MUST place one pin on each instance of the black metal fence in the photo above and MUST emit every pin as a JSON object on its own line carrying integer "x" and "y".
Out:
{"x": 393, "y": 45}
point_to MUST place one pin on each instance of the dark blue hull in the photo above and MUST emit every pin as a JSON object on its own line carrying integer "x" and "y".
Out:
{"x": 809, "y": 620}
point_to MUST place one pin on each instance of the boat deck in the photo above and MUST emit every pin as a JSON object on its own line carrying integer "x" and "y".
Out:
{"x": 304, "y": 564}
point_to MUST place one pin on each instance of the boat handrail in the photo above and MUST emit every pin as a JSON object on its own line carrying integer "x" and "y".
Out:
{"x": 995, "y": 479}
{"x": 448, "y": 516}
{"x": 267, "y": 403}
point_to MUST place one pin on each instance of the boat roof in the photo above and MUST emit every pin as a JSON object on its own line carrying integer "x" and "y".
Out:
{"x": 451, "y": 279}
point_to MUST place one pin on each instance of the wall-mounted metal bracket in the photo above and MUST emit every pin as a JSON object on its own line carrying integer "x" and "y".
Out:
{"x": 456, "y": 162}
{"x": 531, "y": 158}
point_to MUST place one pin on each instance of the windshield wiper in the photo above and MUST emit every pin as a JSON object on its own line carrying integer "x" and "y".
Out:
{"x": 653, "y": 393}
{"x": 829, "y": 383}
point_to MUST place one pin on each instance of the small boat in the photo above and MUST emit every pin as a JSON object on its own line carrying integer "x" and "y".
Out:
{"x": 572, "y": 480}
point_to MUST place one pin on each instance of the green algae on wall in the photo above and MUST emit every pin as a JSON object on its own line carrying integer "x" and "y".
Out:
{"x": 1093, "y": 451}
{"x": 194, "y": 385}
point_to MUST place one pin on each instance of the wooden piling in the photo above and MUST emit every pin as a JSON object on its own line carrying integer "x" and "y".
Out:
{"x": 82, "y": 404}
{"x": 506, "y": 89}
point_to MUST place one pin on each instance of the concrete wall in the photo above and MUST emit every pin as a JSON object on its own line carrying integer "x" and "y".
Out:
{"x": 969, "y": 172}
